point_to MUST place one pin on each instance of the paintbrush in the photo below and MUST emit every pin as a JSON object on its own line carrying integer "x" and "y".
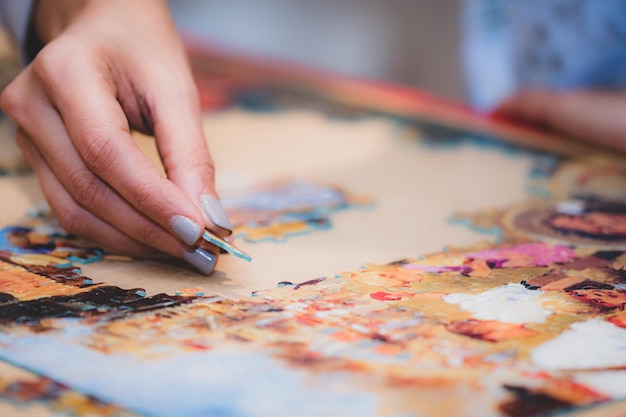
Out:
{"x": 228, "y": 247}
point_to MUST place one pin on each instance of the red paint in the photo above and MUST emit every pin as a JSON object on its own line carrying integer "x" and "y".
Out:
{"x": 308, "y": 319}
{"x": 195, "y": 346}
{"x": 386, "y": 296}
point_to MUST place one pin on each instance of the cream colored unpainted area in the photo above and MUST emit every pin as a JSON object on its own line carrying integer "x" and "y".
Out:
{"x": 11, "y": 158}
{"x": 18, "y": 194}
{"x": 415, "y": 190}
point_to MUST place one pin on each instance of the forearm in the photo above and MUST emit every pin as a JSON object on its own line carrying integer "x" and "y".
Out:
{"x": 53, "y": 17}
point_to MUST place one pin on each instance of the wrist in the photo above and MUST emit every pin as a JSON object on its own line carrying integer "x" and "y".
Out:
{"x": 52, "y": 17}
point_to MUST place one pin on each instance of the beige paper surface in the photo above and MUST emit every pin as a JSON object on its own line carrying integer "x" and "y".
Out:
{"x": 415, "y": 189}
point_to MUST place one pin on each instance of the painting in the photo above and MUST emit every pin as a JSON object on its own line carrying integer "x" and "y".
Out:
{"x": 522, "y": 312}
{"x": 35, "y": 394}
{"x": 531, "y": 325}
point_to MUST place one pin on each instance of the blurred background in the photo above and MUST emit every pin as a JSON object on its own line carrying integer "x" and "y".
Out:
{"x": 412, "y": 42}
{"x": 418, "y": 43}
{"x": 477, "y": 51}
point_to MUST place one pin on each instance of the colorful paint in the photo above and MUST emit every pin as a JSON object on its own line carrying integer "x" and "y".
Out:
{"x": 525, "y": 327}
{"x": 534, "y": 324}
{"x": 43, "y": 242}
{"x": 28, "y": 392}
{"x": 389, "y": 337}
{"x": 283, "y": 209}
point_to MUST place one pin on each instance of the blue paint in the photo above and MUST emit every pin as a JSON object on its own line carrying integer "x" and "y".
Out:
{"x": 488, "y": 231}
{"x": 91, "y": 254}
{"x": 293, "y": 201}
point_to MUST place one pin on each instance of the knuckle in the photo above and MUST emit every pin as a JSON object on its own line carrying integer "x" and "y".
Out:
{"x": 69, "y": 218}
{"x": 56, "y": 60}
{"x": 85, "y": 187}
{"x": 9, "y": 99}
{"x": 50, "y": 61}
{"x": 97, "y": 149}
{"x": 205, "y": 168}
{"x": 12, "y": 102}
{"x": 199, "y": 160}
{"x": 149, "y": 235}
{"x": 144, "y": 198}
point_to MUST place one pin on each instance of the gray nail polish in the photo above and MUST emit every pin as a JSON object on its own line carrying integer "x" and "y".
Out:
{"x": 186, "y": 229}
{"x": 215, "y": 211}
{"x": 204, "y": 261}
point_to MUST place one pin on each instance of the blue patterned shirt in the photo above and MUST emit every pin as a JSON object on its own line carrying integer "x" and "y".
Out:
{"x": 562, "y": 44}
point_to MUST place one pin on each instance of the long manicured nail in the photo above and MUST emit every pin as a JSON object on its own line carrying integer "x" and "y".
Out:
{"x": 186, "y": 229}
{"x": 215, "y": 211}
{"x": 203, "y": 260}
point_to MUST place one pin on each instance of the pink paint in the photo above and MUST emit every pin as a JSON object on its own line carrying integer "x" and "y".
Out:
{"x": 438, "y": 269}
{"x": 526, "y": 254}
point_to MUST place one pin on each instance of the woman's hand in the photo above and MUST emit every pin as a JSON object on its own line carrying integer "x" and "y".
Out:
{"x": 109, "y": 66}
{"x": 597, "y": 117}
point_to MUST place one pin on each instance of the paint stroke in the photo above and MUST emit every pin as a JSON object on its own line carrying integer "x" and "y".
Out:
{"x": 610, "y": 383}
{"x": 526, "y": 254}
{"x": 511, "y": 303}
{"x": 279, "y": 210}
{"x": 592, "y": 344}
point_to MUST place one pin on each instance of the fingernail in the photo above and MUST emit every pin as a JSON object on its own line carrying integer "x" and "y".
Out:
{"x": 204, "y": 261}
{"x": 186, "y": 229}
{"x": 216, "y": 212}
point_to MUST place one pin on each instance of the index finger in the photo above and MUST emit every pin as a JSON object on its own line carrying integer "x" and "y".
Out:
{"x": 99, "y": 129}
{"x": 177, "y": 121}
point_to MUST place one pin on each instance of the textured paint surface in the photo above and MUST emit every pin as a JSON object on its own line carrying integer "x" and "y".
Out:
{"x": 462, "y": 331}
{"x": 384, "y": 338}
{"x": 593, "y": 344}
{"x": 511, "y": 303}
{"x": 519, "y": 328}
{"x": 284, "y": 209}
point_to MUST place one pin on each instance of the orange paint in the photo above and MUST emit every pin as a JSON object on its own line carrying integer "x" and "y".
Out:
{"x": 308, "y": 320}
{"x": 479, "y": 268}
{"x": 490, "y": 330}
{"x": 347, "y": 336}
{"x": 619, "y": 319}
{"x": 606, "y": 299}
{"x": 25, "y": 285}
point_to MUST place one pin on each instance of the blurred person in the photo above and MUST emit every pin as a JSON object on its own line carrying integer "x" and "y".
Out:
{"x": 555, "y": 64}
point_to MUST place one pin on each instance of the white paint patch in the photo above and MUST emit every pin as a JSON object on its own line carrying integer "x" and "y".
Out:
{"x": 592, "y": 344}
{"x": 610, "y": 383}
{"x": 573, "y": 208}
{"x": 511, "y": 303}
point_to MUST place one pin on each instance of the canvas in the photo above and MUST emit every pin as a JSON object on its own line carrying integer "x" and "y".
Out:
{"x": 452, "y": 275}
